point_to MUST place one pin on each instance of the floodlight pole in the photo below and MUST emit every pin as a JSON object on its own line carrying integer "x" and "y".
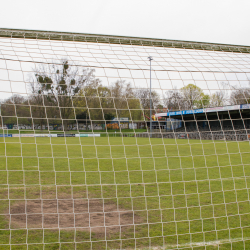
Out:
{"x": 150, "y": 96}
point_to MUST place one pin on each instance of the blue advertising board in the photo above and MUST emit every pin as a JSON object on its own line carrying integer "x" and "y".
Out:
{"x": 186, "y": 112}
{"x": 4, "y": 135}
{"x": 245, "y": 106}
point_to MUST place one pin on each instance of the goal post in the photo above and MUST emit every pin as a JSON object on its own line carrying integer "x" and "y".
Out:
{"x": 98, "y": 150}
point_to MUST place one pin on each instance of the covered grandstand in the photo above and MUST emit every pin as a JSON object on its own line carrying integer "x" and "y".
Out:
{"x": 217, "y": 123}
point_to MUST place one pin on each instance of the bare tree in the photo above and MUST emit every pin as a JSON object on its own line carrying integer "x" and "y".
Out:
{"x": 55, "y": 84}
{"x": 125, "y": 98}
{"x": 16, "y": 107}
{"x": 173, "y": 100}
{"x": 218, "y": 99}
{"x": 144, "y": 96}
{"x": 240, "y": 96}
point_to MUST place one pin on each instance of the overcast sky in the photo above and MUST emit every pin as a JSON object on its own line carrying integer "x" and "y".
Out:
{"x": 215, "y": 21}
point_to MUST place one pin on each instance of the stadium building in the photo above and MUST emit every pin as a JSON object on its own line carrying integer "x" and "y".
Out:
{"x": 217, "y": 123}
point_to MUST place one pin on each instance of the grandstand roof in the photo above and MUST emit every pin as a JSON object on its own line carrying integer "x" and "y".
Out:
{"x": 184, "y": 113}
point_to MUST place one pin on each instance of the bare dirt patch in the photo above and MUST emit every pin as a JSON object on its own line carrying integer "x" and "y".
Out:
{"x": 85, "y": 214}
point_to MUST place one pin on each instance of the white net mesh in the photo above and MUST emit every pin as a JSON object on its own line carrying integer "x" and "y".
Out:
{"x": 79, "y": 166}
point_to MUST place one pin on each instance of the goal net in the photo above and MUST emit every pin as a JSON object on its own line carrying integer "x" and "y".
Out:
{"x": 123, "y": 143}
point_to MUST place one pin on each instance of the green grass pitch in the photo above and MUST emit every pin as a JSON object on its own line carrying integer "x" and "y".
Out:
{"x": 171, "y": 192}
